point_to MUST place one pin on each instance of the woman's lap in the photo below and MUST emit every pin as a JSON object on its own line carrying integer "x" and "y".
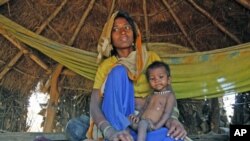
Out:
{"x": 156, "y": 135}
{"x": 118, "y": 101}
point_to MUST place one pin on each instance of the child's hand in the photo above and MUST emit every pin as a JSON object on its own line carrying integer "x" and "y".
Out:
{"x": 133, "y": 118}
{"x": 151, "y": 125}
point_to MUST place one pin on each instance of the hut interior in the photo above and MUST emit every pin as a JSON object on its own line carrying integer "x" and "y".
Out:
{"x": 179, "y": 26}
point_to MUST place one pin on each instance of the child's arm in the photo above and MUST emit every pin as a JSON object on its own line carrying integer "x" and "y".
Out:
{"x": 136, "y": 118}
{"x": 171, "y": 102}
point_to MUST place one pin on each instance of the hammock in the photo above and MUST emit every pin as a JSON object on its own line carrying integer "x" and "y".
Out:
{"x": 194, "y": 75}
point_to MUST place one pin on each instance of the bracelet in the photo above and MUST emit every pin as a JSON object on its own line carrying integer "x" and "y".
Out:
{"x": 105, "y": 131}
{"x": 101, "y": 123}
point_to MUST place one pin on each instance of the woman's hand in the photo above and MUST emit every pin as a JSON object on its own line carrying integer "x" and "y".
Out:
{"x": 120, "y": 136}
{"x": 176, "y": 129}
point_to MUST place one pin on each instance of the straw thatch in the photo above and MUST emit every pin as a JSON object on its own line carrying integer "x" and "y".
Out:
{"x": 199, "y": 25}
{"x": 226, "y": 25}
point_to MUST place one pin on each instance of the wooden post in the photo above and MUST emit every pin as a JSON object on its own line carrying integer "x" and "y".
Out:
{"x": 215, "y": 115}
{"x": 54, "y": 94}
{"x": 53, "y": 102}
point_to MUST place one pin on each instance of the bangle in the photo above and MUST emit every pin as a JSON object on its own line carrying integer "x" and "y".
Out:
{"x": 101, "y": 123}
{"x": 105, "y": 131}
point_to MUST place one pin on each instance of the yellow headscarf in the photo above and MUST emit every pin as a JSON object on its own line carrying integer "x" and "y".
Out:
{"x": 136, "y": 60}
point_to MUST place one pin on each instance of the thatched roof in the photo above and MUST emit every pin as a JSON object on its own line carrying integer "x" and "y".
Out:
{"x": 198, "y": 25}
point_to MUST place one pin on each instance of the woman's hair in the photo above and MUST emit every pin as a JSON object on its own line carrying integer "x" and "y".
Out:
{"x": 125, "y": 15}
{"x": 157, "y": 64}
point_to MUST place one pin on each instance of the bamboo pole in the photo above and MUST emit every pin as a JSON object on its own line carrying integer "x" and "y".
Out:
{"x": 82, "y": 20}
{"x": 42, "y": 27}
{"x": 214, "y": 21}
{"x": 146, "y": 20}
{"x": 18, "y": 70}
{"x": 46, "y": 86}
{"x": 245, "y": 3}
{"x": 180, "y": 25}
{"x": 10, "y": 64}
{"x": 22, "y": 49}
{"x": 53, "y": 101}
{"x": 51, "y": 17}
{"x": 163, "y": 10}
{"x": 51, "y": 111}
{"x": 54, "y": 90}
{"x": 111, "y": 9}
{"x": 65, "y": 72}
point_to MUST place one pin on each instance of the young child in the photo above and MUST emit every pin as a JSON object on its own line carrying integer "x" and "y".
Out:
{"x": 158, "y": 106}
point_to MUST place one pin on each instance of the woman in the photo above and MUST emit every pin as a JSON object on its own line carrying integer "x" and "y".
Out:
{"x": 120, "y": 85}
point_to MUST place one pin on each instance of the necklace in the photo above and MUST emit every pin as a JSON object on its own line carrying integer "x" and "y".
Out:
{"x": 162, "y": 93}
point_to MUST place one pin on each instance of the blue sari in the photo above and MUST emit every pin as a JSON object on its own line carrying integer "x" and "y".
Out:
{"x": 119, "y": 103}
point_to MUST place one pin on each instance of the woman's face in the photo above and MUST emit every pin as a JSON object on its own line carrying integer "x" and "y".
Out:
{"x": 122, "y": 34}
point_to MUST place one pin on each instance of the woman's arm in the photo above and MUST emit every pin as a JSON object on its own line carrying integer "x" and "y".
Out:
{"x": 95, "y": 103}
{"x": 176, "y": 129}
{"x": 109, "y": 132}
{"x": 98, "y": 117}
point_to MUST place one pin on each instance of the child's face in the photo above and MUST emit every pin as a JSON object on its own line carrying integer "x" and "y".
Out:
{"x": 158, "y": 79}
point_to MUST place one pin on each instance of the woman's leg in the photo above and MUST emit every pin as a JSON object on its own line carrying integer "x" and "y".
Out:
{"x": 118, "y": 101}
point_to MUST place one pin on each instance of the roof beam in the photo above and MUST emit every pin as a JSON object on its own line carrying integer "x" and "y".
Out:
{"x": 23, "y": 50}
{"x": 146, "y": 20}
{"x": 214, "y": 21}
{"x": 177, "y": 20}
{"x": 111, "y": 9}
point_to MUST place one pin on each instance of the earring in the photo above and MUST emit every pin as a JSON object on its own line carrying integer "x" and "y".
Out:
{"x": 133, "y": 46}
